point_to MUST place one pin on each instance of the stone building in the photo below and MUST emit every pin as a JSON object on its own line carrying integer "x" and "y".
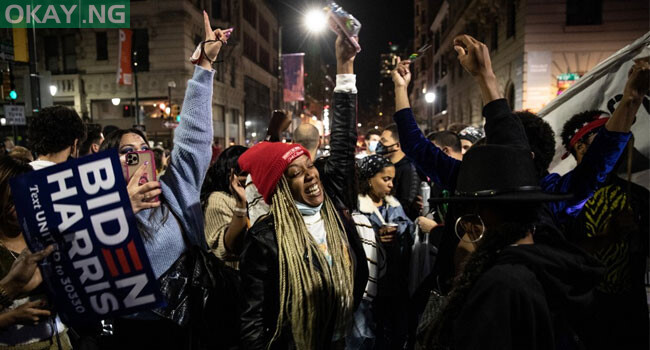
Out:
{"x": 83, "y": 65}
{"x": 538, "y": 49}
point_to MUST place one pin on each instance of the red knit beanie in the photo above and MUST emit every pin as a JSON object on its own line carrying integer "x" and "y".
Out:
{"x": 267, "y": 161}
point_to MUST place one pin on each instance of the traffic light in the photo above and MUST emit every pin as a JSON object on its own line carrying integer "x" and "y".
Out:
{"x": 12, "y": 86}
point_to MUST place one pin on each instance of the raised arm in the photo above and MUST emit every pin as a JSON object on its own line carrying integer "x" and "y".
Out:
{"x": 339, "y": 167}
{"x": 501, "y": 125}
{"x": 434, "y": 163}
{"x": 192, "y": 151}
{"x": 606, "y": 148}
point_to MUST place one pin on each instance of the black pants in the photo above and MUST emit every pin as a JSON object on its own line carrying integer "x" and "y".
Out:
{"x": 391, "y": 316}
{"x": 140, "y": 334}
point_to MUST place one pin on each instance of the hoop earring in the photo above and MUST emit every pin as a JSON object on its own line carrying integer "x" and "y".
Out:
{"x": 470, "y": 241}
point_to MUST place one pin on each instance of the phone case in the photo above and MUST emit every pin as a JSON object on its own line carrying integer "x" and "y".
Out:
{"x": 133, "y": 162}
{"x": 341, "y": 20}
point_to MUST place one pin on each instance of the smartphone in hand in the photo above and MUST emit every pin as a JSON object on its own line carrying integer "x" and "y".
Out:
{"x": 134, "y": 160}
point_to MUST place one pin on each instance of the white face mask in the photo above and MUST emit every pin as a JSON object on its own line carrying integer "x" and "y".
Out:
{"x": 372, "y": 146}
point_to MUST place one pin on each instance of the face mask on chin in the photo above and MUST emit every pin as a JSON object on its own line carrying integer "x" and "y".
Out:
{"x": 372, "y": 146}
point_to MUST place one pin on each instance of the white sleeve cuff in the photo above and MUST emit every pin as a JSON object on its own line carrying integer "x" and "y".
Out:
{"x": 346, "y": 83}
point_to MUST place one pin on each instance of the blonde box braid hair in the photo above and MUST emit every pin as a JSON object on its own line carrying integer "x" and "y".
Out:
{"x": 310, "y": 299}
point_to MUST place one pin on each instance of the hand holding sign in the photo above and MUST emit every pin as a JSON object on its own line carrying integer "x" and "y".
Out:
{"x": 23, "y": 271}
{"x": 143, "y": 196}
{"x": 30, "y": 312}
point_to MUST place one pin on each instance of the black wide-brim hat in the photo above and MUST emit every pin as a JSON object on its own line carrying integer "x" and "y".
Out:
{"x": 498, "y": 173}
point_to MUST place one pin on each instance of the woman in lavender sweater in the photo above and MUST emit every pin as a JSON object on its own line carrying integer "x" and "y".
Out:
{"x": 163, "y": 222}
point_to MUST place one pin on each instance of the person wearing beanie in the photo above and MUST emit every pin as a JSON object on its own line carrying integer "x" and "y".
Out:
{"x": 469, "y": 136}
{"x": 394, "y": 232}
{"x": 301, "y": 243}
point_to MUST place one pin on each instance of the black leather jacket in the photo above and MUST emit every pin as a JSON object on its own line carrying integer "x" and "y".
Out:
{"x": 259, "y": 258}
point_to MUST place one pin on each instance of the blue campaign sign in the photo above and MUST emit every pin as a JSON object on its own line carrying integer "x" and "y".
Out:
{"x": 99, "y": 268}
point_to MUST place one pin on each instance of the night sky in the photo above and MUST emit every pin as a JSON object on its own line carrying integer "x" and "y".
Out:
{"x": 381, "y": 21}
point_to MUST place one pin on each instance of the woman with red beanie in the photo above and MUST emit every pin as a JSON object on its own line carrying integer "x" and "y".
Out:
{"x": 297, "y": 275}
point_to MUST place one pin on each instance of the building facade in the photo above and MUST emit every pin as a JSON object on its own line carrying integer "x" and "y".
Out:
{"x": 538, "y": 49}
{"x": 83, "y": 63}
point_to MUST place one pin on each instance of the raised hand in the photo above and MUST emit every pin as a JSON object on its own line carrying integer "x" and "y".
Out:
{"x": 473, "y": 55}
{"x": 279, "y": 123}
{"x": 215, "y": 39}
{"x": 345, "y": 54}
{"x": 638, "y": 81}
{"x": 401, "y": 74}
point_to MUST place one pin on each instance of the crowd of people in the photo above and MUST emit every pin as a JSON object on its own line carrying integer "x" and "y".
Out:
{"x": 322, "y": 249}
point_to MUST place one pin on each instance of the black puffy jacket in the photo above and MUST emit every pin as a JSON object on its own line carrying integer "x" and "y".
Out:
{"x": 259, "y": 258}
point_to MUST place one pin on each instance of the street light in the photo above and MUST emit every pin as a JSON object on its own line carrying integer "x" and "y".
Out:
{"x": 315, "y": 21}
{"x": 116, "y": 101}
{"x": 53, "y": 90}
{"x": 430, "y": 97}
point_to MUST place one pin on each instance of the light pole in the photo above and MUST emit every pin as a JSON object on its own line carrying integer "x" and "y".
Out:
{"x": 170, "y": 85}
{"x": 135, "y": 78}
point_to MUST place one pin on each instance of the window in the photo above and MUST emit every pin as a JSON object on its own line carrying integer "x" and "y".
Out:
{"x": 216, "y": 9}
{"x": 443, "y": 67}
{"x": 264, "y": 28}
{"x": 101, "y": 45}
{"x": 264, "y": 59}
{"x": 250, "y": 47}
{"x": 52, "y": 54}
{"x": 436, "y": 72}
{"x": 276, "y": 39}
{"x": 583, "y": 12}
{"x": 233, "y": 72}
{"x": 494, "y": 42}
{"x": 141, "y": 47}
{"x": 250, "y": 13}
{"x": 436, "y": 41}
{"x": 69, "y": 54}
{"x": 512, "y": 18}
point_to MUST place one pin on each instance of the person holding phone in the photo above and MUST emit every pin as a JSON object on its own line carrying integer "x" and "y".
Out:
{"x": 167, "y": 223}
{"x": 395, "y": 233}
{"x": 223, "y": 198}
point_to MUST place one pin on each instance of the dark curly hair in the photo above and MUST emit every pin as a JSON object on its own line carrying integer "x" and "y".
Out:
{"x": 577, "y": 122}
{"x": 55, "y": 129}
{"x": 541, "y": 139}
{"x": 217, "y": 178}
{"x": 113, "y": 139}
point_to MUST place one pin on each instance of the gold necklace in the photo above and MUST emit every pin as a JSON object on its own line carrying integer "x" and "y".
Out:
{"x": 9, "y": 250}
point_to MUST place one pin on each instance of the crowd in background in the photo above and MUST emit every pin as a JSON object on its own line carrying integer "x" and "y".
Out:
{"x": 457, "y": 239}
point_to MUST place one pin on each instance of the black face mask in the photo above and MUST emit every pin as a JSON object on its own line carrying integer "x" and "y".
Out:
{"x": 383, "y": 149}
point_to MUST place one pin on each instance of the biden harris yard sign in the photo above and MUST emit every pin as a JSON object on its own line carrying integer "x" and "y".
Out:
{"x": 99, "y": 268}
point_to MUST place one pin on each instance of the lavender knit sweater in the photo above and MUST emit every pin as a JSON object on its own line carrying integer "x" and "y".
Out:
{"x": 181, "y": 183}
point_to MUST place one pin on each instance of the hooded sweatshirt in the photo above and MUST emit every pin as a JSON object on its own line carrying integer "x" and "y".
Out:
{"x": 529, "y": 299}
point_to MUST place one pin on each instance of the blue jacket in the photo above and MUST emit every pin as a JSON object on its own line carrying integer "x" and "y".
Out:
{"x": 503, "y": 127}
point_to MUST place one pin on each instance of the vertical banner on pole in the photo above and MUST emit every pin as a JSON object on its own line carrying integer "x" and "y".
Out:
{"x": 124, "y": 69}
{"x": 21, "y": 48}
{"x": 294, "y": 77}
